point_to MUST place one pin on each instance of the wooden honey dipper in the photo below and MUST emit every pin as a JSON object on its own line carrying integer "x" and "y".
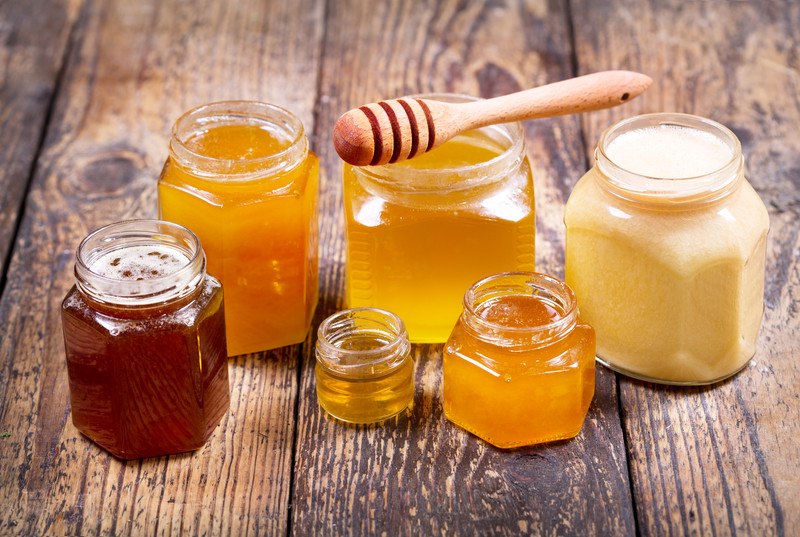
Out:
{"x": 399, "y": 129}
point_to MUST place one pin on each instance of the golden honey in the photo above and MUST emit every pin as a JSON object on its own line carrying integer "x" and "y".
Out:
{"x": 421, "y": 231}
{"x": 241, "y": 176}
{"x": 519, "y": 365}
{"x": 364, "y": 370}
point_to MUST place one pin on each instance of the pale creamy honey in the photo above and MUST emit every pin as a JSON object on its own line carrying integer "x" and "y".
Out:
{"x": 666, "y": 250}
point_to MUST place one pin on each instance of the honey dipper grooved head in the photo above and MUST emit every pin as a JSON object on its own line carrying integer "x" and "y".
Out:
{"x": 387, "y": 131}
{"x": 352, "y": 138}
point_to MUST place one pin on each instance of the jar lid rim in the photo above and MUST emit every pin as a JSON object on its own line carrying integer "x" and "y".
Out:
{"x": 298, "y": 143}
{"x": 546, "y": 282}
{"x": 380, "y": 354}
{"x": 125, "y": 290}
{"x": 706, "y": 186}
{"x": 513, "y": 131}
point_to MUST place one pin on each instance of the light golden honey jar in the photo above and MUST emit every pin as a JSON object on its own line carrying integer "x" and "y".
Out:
{"x": 420, "y": 232}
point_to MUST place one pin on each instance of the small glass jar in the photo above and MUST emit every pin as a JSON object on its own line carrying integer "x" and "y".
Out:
{"x": 421, "y": 231}
{"x": 665, "y": 249}
{"x": 144, "y": 332}
{"x": 364, "y": 371}
{"x": 519, "y": 365}
{"x": 240, "y": 174}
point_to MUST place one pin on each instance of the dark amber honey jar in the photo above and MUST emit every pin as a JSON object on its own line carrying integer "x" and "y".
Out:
{"x": 144, "y": 331}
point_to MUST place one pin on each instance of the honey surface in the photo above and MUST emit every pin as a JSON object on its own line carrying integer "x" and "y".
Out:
{"x": 237, "y": 142}
{"x": 669, "y": 151}
{"x": 518, "y": 311}
{"x": 259, "y": 235}
{"x": 517, "y": 398}
{"x": 415, "y": 254}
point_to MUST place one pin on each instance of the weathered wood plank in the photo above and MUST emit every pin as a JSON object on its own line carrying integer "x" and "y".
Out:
{"x": 418, "y": 474}
{"x": 135, "y": 67}
{"x": 719, "y": 460}
{"x": 33, "y": 43}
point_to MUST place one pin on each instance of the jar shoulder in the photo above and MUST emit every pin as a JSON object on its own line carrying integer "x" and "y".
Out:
{"x": 301, "y": 180}
{"x": 577, "y": 349}
{"x": 510, "y": 197}
{"x": 207, "y": 301}
{"x": 730, "y": 227}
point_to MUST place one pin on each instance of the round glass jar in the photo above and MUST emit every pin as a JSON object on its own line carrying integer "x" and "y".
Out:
{"x": 241, "y": 176}
{"x": 364, "y": 370}
{"x": 421, "y": 231}
{"x": 519, "y": 365}
{"x": 144, "y": 332}
{"x": 665, "y": 249}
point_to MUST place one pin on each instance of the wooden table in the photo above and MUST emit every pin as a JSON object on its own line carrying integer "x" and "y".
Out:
{"x": 89, "y": 90}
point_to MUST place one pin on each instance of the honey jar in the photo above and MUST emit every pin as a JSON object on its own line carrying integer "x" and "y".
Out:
{"x": 666, "y": 248}
{"x": 240, "y": 174}
{"x": 144, "y": 333}
{"x": 518, "y": 368}
{"x": 421, "y": 231}
{"x": 364, "y": 370}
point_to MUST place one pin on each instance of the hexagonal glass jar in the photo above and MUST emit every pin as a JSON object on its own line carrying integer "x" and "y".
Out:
{"x": 519, "y": 365}
{"x": 420, "y": 231}
{"x": 241, "y": 175}
{"x": 144, "y": 332}
{"x": 666, "y": 249}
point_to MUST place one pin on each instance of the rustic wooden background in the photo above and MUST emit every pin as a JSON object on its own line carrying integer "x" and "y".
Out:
{"x": 88, "y": 92}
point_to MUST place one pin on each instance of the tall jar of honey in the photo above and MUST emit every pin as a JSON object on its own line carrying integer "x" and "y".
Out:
{"x": 518, "y": 368}
{"x": 144, "y": 332}
{"x": 240, "y": 174}
{"x": 665, "y": 249}
{"x": 421, "y": 231}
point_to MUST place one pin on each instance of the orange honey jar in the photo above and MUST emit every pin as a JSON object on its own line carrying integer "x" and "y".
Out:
{"x": 519, "y": 365}
{"x": 240, "y": 174}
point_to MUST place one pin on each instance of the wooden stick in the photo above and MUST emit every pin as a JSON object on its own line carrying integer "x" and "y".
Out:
{"x": 399, "y": 129}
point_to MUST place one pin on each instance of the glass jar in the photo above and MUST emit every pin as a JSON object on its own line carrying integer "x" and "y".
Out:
{"x": 241, "y": 176}
{"x": 144, "y": 332}
{"x": 364, "y": 370}
{"x": 421, "y": 231}
{"x": 665, "y": 249}
{"x": 519, "y": 366}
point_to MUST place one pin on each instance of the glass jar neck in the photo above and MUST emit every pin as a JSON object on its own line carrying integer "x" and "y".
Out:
{"x": 140, "y": 265}
{"x": 279, "y": 122}
{"x": 507, "y": 141}
{"x": 520, "y": 335}
{"x": 658, "y": 191}
{"x": 362, "y": 343}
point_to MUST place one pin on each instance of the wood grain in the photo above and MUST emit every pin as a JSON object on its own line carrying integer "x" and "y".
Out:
{"x": 418, "y": 474}
{"x": 134, "y": 68}
{"x": 33, "y": 42}
{"x": 719, "y": 460}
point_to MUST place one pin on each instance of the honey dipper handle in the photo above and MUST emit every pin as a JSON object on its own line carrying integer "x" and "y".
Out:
{"x": 582, "y": 94}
